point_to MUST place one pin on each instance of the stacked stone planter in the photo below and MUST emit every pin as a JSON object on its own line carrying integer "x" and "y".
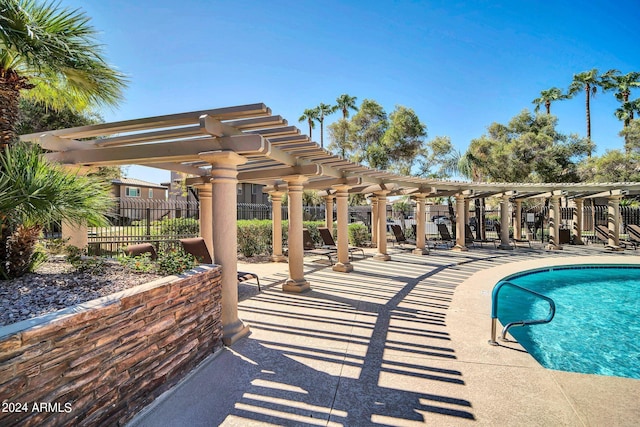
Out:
{"x": 100, "y": 362}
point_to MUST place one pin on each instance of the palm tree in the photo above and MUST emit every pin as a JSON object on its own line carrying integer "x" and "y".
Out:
{"x": 589, "y": 82}
{"x": 345, "y": 103}
{"x": 547, "y": 97}
{"x": 622, "y": 84}
{"x": 323, "y": 110}
{"x": 309, "y": 115}
{"x": 625, "y": 114}
{"x": 49, "y": 54}
{"x": 42, "y": 193}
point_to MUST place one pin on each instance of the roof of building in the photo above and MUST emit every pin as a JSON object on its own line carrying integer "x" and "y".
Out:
{"x": 137, "y": 183}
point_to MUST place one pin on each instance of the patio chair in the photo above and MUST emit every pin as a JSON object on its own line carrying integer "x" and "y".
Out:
{"x": 469, "y": 237}
{"x": 634, "y": 233}
{"x": 602, "y": 234}
{"x": 401, "y": 239}
{"x": 445, "y": 236}
{"x": 142, "y": 248}
{"x": 309, "y": 246}
{"x": 329, "y": 243}
{"x": 197, "y": 247}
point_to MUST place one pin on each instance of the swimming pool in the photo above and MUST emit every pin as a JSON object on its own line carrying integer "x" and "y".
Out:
{"x": 596, "y": 328}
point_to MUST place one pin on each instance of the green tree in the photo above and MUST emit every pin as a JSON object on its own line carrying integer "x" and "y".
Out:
{"x": 528, "y": 149}
{"x": 341, "y": 134}
{"x": 404, "y": 138}
{"x": 49, "y": 54}
{"x": 369, "y": 126}
{"x": 438, "y": 159}
{"x": 345, "y": 103}
{"x": 612, "y": 166}
{"x": 42, "y": 193}
{"x": 631, "y": 135}
{"x": 547, "y": 97}
{"x": 322, "y": 111}
{"x": 309, "y": 115}
{"x": 588, "y": 81}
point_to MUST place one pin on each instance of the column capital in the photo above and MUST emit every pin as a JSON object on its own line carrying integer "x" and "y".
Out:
{"x": 381, "y": 193}
{"x": 341, "y": 188}
{"x": 275, "y": 194}
{"x": 295, "y": 179}
{"x": 223, "y": 157}
{"x": 420, "y": 196}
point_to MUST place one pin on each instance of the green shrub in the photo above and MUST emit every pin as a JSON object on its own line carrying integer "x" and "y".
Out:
{"x": 358, "y": 234}
{"x": 140, "y": 264}
{"x": 178, "y": 226}
{"x": 175, "y": 261}
{"x": 254, "y": 237}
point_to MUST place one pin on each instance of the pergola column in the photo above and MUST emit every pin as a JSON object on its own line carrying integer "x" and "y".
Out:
{"x": 382, "y": 226}
{"x": 504, "y": 223}
{"x": 420, "y": 225}
{"x": 206, "y": 214}
{"x": 77, "y": 233}
{"x": 276, "y": 226}
{"x": 554, "y": 223}
{"x": 577, "y": 222}
{"x": 613, "y": 218}
{"x": 224, "y": 228}
{"x": 296, "y": 281}
{"x": 374, "y": 221}
{"x": 460, "y": 218}
{"x": 517, "y": 227}
{"x": 342, "y": 202}
{"x": 328, "y": 213}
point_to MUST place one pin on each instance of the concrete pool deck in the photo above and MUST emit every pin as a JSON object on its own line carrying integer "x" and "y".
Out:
{"x": 396, "y": 343}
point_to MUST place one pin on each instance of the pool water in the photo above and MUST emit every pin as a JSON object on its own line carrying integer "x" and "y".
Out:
{"x": 596, "y": 329}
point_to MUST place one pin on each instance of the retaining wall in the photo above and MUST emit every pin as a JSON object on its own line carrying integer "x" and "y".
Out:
{"x": 101, "y": 362}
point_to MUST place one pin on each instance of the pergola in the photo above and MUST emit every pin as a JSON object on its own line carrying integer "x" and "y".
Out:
{"x": 218, "y": 148}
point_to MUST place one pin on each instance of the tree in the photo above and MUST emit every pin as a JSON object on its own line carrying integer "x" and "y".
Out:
{"x": 547, "y": 97}
{"x": 322, "y": 111}
{"x": 588, "y": 82}
{"x": 403, "y": 140}
{"x": 49, "y": 54}
{"x": 612, "y": 166}
{"x": 341, "y": 135}
{"x": 438, "y": 159}
{"x": 631, "y": 134}
{"x": 345, "y": 103}
{"x": 369, "y": 126}
{"x": 528, "y": 149}
{"x": 309, "y": 115}
{"x": 41, "y": 193}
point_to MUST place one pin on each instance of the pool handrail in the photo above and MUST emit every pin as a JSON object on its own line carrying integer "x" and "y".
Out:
{"x": 494, "y": 311}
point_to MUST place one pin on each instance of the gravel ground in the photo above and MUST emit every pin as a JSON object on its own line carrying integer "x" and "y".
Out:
{"x": 55, "y": 285}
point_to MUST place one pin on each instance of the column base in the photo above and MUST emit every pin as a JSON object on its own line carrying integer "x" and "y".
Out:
{"x": 505, "y": 247}
{"x": 296, "y": 286}
{"x": 420, "y": 251}
{"x": 381, "y": 257}
{"x": 552, "y": 247}
{"x": 343, "y": 268}
{"x": 278, "y": 258}
{"x": 577, "y": 241}
{"x": 614, "y": 248}
{"x": 459, "y": 248}
{"x": 233, "y": 332}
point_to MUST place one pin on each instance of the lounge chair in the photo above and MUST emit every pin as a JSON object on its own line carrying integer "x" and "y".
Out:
{"x": 197, "y": 247}
{"x": 469, "y": 237}
{"x": 401, "y": 239}
{"x": 310, "y": 248}
{"x": 602, "y": 234}
{"x": 445, "y": 236}
{"x": 329, "y": 243}
{"x": 142, "y": 248}
{"x": 634, "y": 233}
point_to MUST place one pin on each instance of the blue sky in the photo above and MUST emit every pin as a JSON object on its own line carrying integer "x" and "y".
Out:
{"x": 460, "y": 65}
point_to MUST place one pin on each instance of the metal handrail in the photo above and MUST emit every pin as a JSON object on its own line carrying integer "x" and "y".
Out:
{"x": 494, "y": 311}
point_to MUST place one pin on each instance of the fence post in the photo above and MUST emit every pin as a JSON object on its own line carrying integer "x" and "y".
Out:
{"x": 148, "y": 223}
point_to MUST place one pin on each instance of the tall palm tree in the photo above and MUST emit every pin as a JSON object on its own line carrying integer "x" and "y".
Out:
{"x": 622, "y": 84}
{"x": 323, "y": 110}
{"x": 49, "y": 54}
{"x": 309, "y": 115}
{"x": 547, "y": 97}
{"x": 626, "y": 113}
{"x": 345, "y": 103}
{"x": 42, "y": 193}
{"x": 589, "y": 82}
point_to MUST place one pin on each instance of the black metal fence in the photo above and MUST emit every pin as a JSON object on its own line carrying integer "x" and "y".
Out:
{"x": 160, "y": 222}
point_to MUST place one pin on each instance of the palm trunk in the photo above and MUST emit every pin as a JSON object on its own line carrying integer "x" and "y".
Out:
{"x": 10, "y": 86}
{"x": 587, "y": 90}
{"x": 310, "y": 127}
{"x": 322, "y": 133}
{"x": 547, "y": 104}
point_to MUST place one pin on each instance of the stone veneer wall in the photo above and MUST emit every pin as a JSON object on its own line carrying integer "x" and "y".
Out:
{"x": 101, "y": 362}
